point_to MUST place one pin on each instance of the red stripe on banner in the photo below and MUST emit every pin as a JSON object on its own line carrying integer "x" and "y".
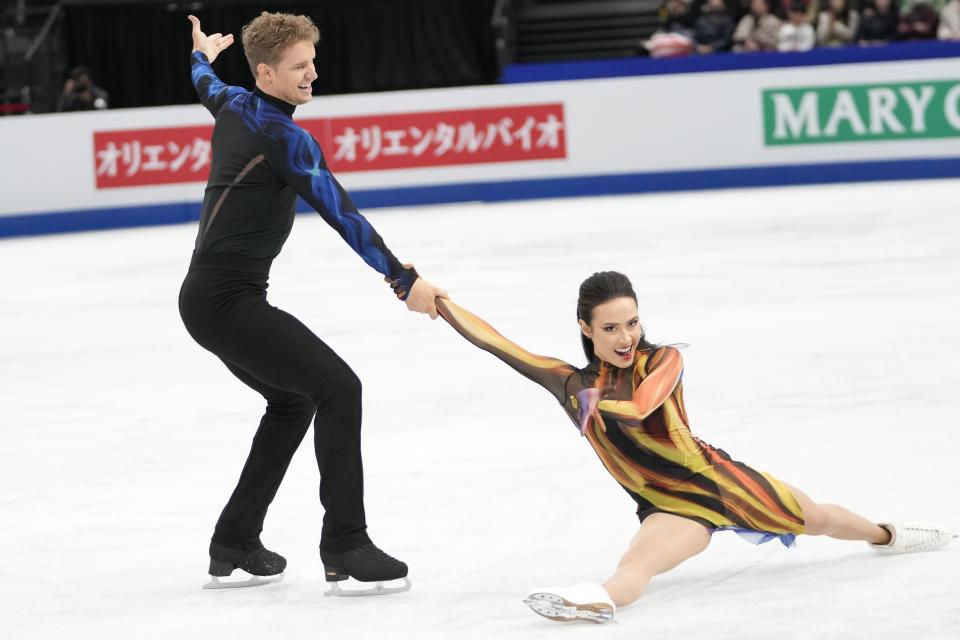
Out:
{"x": 173, "y": 155}
{"x": 442, "y": 138}
{"x": 151, "y": 156}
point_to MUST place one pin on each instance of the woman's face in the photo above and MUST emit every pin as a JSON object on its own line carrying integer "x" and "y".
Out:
{"x": 615, "y": 330}
{"x": 838, "y": 5}
{"x": 759, "y": 7}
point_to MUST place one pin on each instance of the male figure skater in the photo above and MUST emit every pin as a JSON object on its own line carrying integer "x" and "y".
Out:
{"x": 261, "y": 162}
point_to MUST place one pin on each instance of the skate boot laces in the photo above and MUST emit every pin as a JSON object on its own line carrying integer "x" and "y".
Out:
{"x": 372, "y": 552}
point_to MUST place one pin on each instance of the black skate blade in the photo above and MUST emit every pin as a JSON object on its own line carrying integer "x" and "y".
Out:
{"x": 553, "y": 607}
{"x": 381, "y": 588}
{"x": 241, "y": 580}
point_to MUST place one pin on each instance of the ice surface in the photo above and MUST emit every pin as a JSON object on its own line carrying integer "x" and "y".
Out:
{"x": 823, "y": 347}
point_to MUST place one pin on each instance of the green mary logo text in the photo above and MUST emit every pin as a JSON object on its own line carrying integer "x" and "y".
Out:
{"x": 852, "y": 113}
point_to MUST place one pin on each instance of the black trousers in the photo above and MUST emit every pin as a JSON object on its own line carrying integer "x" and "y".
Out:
{"x": 223, "y": 304}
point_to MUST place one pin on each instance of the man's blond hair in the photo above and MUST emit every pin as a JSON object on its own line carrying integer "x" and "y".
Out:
{"x": 267, "y": 36}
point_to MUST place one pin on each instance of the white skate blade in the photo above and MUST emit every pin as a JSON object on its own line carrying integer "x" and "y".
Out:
{"x": 382, "y": 588}
{"x": 239, "y": 579}
{"x": 553, "y": 607}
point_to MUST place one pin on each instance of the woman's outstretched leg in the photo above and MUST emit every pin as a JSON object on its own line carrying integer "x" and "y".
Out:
{"x": 894, "y": 537}
{"x": 663, "y": 542}
{"x": 837, "y": 522}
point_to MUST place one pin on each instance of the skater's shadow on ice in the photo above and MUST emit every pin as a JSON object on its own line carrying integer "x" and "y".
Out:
{"x": 768, "y": 573}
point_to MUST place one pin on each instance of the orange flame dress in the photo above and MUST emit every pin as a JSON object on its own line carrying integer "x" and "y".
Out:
{"x": 651, "y": 453}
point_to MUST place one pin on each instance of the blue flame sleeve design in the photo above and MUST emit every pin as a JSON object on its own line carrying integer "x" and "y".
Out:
{"x": 298, "y": 157}
{"x": 212, "y": 91}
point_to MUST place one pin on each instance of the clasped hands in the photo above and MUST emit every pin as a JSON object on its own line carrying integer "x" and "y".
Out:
{"x": 422, "y": 297}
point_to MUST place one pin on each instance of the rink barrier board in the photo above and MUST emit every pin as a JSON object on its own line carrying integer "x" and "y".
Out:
{"x": 581, "y": 174}
{"x": 723, "y": 62}
{"x": 786, "y": 175}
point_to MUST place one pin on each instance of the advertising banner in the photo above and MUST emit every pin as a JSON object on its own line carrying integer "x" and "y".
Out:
{"x": 853, "y": 113}
{"x": 890, "y": 119}
{"x": 149, "y": 156}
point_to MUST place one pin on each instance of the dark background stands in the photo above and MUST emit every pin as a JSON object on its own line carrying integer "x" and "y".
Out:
{"x": 81, "y": 94}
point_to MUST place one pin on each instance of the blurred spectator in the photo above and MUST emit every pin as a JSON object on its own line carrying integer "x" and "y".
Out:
{"x": 677, "y": 17}
{"x": 737, "y": 9}
{"x": 878, "y": 24}
{"x": 919, "y": 22}
{"x": 950, "y": 21}
{"x": 714, "y": 28}
{"x": 80, "y": 94}
{"x": 837, "y": 26}
{"x": 907, "y": 5}
{"x": 675, "y": 35}
{"x": 759, "y": 30}
{"x": 797, "y": 33}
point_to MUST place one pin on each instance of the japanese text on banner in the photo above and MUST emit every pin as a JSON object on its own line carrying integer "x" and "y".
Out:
{"x": 502, "y": 134}
{"x": 151, "y": 156}
{"x": 364, "y": 143}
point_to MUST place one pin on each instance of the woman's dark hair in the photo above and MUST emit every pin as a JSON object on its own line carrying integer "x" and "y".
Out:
{"x": 768, "y": 3}
{"x": 844, "y": 14}
{"x": 601, "y": 287}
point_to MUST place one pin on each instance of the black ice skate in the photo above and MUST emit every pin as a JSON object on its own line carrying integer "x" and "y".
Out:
{"x": 364, "y": 564}
{"x": 257, "y": 566}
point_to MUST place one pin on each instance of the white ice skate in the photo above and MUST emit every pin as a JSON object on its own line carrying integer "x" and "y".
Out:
{"x": 582, "y": 601}
{"x": 908, "y": 537}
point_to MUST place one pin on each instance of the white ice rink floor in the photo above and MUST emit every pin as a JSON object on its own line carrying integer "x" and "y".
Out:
{"x": 824, "y": 347}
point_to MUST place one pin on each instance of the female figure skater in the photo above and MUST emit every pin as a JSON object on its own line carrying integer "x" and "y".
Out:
{"x": 628, "y": 403}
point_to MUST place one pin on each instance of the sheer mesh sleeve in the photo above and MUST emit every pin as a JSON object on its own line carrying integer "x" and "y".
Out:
{"x": 549, "y": 373}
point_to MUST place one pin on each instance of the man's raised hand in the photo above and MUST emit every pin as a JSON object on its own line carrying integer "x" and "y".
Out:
{"x": 210, "y": 45}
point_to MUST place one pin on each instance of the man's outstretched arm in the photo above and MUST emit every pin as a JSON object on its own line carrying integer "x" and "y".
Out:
{"x": 213, "y": 93}
{"x": 298, "y": 157}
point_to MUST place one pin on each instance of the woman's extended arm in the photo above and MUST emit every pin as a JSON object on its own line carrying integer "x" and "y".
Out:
{"x": 664, "y": 371}
{"x": 549, "y": 373}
